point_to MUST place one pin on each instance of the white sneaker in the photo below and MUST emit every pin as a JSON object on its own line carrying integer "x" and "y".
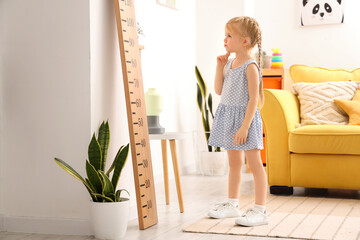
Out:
{"x": 252, "y": 217}
{"x": 224, "y": 210}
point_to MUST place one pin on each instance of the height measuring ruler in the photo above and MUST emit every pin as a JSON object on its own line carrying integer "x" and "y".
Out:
{"x": 136, "y": 113}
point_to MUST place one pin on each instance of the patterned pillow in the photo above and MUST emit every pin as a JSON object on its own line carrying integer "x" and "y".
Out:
{"x": 317, "y": 104}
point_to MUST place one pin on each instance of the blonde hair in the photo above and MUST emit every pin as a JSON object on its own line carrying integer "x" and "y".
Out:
{"x": 249, "y": 27}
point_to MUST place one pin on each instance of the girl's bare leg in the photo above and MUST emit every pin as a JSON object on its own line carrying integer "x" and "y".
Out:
{"x": 260, "y": 179}
{"x": 235, "y": 164}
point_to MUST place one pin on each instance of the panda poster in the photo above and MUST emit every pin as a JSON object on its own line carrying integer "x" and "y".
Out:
{"x": 316, "y": 12}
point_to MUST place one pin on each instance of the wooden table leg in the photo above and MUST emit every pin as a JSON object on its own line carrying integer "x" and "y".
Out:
{"x": 176, "y": 173}
{"x": 165, "y": 167}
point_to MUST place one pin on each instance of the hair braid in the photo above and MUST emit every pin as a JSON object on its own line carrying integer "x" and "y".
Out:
{"x": 259, "y": 43}
{"x": 261, "y": 87}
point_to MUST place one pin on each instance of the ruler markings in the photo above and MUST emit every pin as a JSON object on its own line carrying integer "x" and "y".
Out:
{"x": 133, "y": 86}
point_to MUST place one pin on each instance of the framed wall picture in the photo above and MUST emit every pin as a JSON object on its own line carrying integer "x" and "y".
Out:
{"x": 317, "y": 12}
{"x": 168, "y": 3}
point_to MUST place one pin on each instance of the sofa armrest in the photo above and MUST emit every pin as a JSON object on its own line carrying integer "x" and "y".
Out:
{"x": 280, "y": 115}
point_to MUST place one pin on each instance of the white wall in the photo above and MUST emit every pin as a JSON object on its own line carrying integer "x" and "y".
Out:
{"x": 335, "y": 45}
{"x": 45, "y": 112}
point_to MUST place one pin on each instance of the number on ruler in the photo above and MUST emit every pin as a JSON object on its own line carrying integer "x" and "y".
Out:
{"x": 131, "y": 42}
{"x": 145, "y": 163}
{"x": 149, "y": 204}
{"x": 140, "y": 122}
{"x": 136, "y": 81}
{"x": 147, "y": 183}
{"x": 143, "y": 143}
{"x": 133, "y": 63}
{"x": 130, "y": 22}
{"x": 129, "y": 2}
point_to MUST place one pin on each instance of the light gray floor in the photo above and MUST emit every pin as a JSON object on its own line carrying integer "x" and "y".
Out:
{"x": 199, "y": 193}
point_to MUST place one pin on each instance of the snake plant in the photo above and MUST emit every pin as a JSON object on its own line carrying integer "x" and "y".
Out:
{"x": 98, "y": 182}
{"x": 205, "y": 105}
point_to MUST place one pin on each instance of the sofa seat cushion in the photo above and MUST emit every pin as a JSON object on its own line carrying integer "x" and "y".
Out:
{"x": 328, "y": 139}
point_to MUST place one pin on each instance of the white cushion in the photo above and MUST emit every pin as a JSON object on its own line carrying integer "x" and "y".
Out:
{"x": 317, "y": 104}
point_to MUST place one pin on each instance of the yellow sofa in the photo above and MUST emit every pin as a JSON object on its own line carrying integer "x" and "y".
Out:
{"x": 316, "y": 156}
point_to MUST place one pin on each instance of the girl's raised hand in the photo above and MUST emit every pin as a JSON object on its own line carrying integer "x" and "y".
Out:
{"x": 222, "y": 59}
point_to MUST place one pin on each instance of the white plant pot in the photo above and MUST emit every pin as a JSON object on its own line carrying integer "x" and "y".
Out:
{"x": 109, "y": 220}
{"x": 213, "y": 163}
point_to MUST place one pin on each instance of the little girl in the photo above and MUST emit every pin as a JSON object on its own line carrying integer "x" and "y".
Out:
{"x": 237, "y": 124}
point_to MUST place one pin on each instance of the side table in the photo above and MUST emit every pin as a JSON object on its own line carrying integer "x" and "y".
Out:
{"x": 171, "y": 136}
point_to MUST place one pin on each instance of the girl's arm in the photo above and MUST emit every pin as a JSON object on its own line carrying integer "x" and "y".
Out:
{"x": 220, "y": 72}
{"x": 219, "y": 79}
{"x": 252, "y": 75}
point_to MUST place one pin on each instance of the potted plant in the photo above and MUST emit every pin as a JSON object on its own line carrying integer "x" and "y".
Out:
{"x": 109, "y": 211}
{"x": 213, "y": 161}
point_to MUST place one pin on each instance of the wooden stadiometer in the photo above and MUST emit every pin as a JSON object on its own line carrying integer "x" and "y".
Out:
{"x": 136, "y": 113}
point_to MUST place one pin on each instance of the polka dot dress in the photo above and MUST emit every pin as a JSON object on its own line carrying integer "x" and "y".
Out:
{"x": 231, "y": 112}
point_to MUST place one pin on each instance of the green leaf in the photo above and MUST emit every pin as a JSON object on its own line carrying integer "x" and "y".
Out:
{"x": 112, "y": 197}
{"x": 119, "y": 161}
{"x": 118, "y": 193}
{"x": 201, "y": 82}
{"x": 103, "y": 198}
{"x": 113, "y": 164}
{"x": 207, "y": 125}
{"x": 204, "y": 111}
{"x": 90, "y": 185}
{"x": 108, "y": 189}
{"x": 94, "y": 153}
{"x": 91, "y": 191}
{"x": 104, "y": 139}
{"x": 94, "y": 198}
{"x": 73, "y": 173}
{"x": 210, "y": 105}
{"x": 203, "y": 120}
{"x": 94, "y": 177}
{"x": 69, "y": 169}
{"x": 206, "y": 130}
{"x": 199, "y": 97}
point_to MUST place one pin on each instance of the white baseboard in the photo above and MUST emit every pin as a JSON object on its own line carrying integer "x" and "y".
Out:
{"x": 44, "y": 225}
